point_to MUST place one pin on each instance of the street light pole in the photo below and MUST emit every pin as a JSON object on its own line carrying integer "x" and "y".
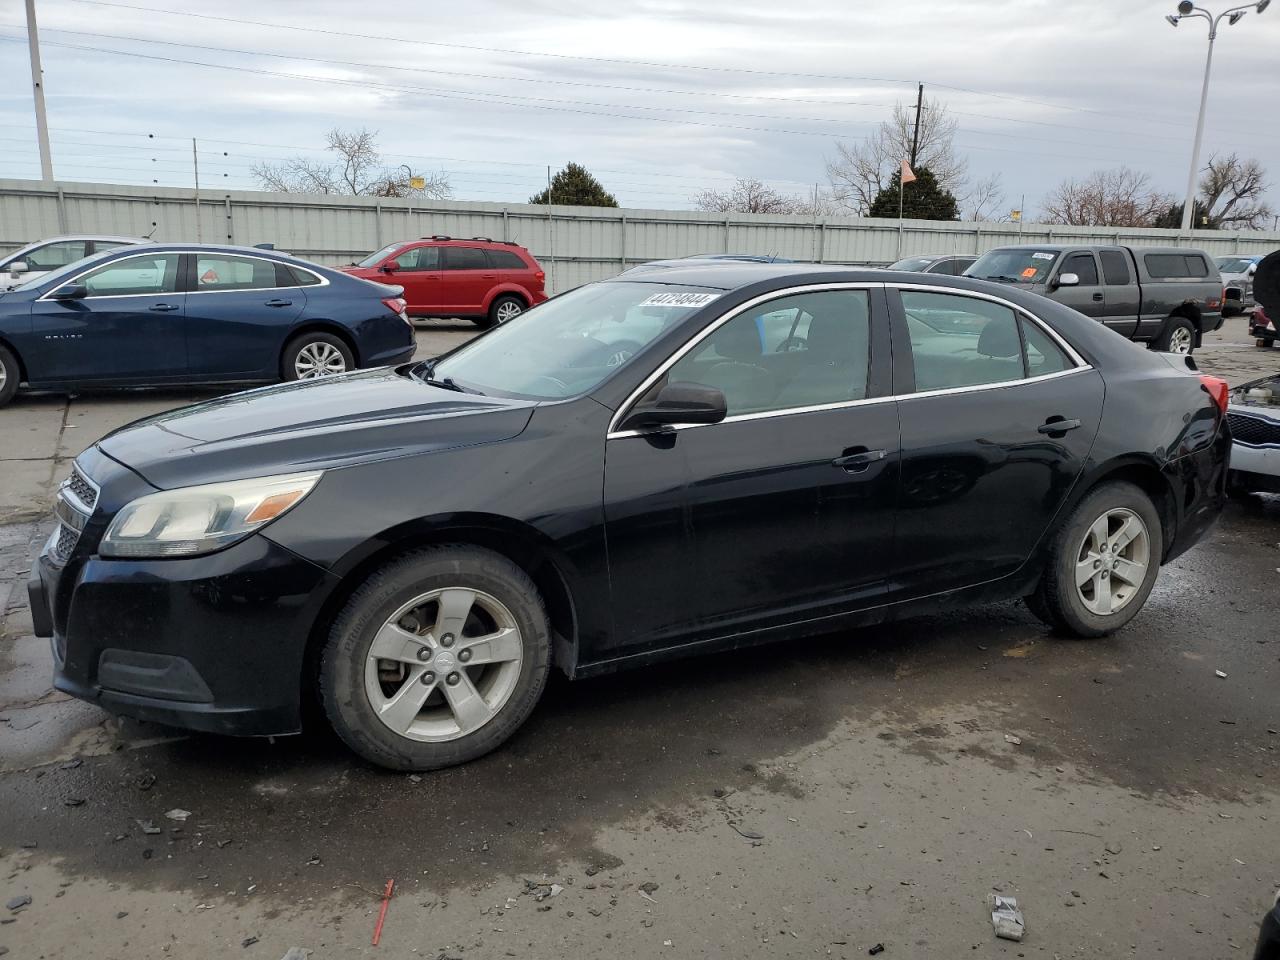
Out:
{"x": 37, "y": 90}
{"x": 1189, "y": 11}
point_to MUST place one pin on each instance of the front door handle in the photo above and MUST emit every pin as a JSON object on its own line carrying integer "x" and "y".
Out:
{"x": 857, "y": 459}
{"x": 1057, "y": 426}
{"x": 163, "y": 307}
{"x": 279, "y": 303}
{"x": 1098, "y": 297}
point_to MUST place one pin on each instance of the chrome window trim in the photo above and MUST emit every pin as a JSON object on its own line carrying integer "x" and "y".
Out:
{"x": 711, "y": 328}
{"x": 1081, "y": 366}
{"x": 324, "y": 281}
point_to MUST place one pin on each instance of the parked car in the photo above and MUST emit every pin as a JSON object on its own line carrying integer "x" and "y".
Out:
{"x": 944, "y": 263}
{"x": 1266, "y": 289}
{"x": 191, "y": 313}
{"x": 485, "y": 281}
{"x": 36, "y": 259}
{"x": 1237, "y": 282}
{"x": 1168, "y": 297}
{"x": 700, "y": 259}
{"x": 1261, "y": 328}
{"x": 418, "y": 547}
{"x": 1254, "y": 417}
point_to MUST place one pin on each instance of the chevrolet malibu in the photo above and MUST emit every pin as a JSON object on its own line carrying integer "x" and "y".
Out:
{"x": 783, "y": 450}
{"x": 194, "y": 313}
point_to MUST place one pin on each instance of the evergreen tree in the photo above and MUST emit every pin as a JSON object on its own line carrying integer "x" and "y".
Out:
{"x": 574, "y": 186}
{"x": 923, "y": 199}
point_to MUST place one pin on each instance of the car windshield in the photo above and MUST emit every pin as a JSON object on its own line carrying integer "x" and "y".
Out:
{"x": 568, "y": 345}
{"x": 914, "y": 264}
{"x": 375, "y": 258}
{"x": 1014, "y": 266}
{"x": 1234, "y": 264}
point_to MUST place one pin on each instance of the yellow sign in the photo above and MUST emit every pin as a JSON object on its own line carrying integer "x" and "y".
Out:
{"x": 418, "y": 183}
{"x": 1015, "y": 215}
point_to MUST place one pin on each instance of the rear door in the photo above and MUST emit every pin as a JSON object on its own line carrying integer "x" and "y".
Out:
{"x": 238, "y": 314}
{"x": 1087, "y": 296}
{"x": 468, "y": 278}
{"x": 1123, "y": 297}
{"x": 984, "y": 469}
{"x": 129, "y": 325}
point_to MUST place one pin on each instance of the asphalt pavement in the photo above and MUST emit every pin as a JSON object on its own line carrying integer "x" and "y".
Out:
{"x": 811, "y": 799}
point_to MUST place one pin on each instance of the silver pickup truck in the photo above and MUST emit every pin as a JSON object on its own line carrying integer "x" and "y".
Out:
{"x": 1167, "y": 297}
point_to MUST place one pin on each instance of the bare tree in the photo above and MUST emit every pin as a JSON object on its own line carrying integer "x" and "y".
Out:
{"x": 985, "y": 200}
{"x": 1231, "y": 192}
{"x": 861, "y": 170}
{"x": 358, "y": 171}
{"x": 749, "y": 195}
{"x": 1107, "y": 198}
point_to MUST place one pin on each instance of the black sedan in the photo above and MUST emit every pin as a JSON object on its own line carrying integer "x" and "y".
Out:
{"x": 778, "y": 451}
{"x": 193, "y": 313}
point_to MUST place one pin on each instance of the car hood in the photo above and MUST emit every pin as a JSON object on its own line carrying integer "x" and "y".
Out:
{"x": 1258, "y": 397}
{"x": 310, "y": 425}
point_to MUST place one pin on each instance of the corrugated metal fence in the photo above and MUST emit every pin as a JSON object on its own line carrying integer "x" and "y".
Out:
{"x": 575, "y": 244}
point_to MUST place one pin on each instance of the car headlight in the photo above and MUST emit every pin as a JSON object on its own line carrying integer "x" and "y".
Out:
{"x": 193, "y": 520}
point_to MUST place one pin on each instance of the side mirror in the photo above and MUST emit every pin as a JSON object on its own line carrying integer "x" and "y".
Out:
{"x": 70, "y": 291}
{"x": 1068, "y": 280}
{"x": 678, "y": 403}
{"x": 1251, "y": 269}
{"x": 391, "y": 266}
{"x": 16, "y": 268}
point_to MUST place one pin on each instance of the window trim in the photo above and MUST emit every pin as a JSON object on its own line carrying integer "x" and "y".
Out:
{"x": 624, "y": 408}
{"x": 112, "y": 263}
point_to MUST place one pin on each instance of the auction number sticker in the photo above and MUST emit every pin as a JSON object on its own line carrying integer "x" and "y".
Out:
{"x": 1041, "y": 255}
{"x": 689, "y": 301}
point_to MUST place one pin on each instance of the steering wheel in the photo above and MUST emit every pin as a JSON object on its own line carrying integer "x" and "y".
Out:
{"x": 793, "y": 345}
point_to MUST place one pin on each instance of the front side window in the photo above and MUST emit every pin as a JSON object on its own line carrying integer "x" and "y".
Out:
{"x": 419, "y": 258}
{"x": 465, "y": 258}
{"x": 1083, "y": 266}
{"x": 375, "y": 258}
{"x": 803, "y": 350}
{"x": 54, "y": 255}
{"x": 217, "y": 272}
{"x": 570, "y": 344}
{"x": 133, "y": 276}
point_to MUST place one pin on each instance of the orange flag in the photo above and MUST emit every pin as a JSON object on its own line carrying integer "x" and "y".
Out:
{"x": 907, "y": 175}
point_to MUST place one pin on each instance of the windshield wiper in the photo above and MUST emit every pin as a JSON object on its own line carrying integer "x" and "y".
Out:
{"x": 424, "y": 374}
{"x": 1002, "y": 279}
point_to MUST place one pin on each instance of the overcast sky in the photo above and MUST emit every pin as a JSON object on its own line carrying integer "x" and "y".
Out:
{"x": 659, "y": 98}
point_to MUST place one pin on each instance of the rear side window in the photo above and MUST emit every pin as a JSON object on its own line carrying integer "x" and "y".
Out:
{"x": 464, "y": 258}
{"x": 505, "y": 260}
{"x": 1115, "y": 267}
{"x": 1176, "y": 266}
{"x": 218, "y": 272}
{"x": 303, "y": 278}
{"x": 1082, "y": 265}
{"x": 1043, "y": 354}
{"x": 961, "y": 341}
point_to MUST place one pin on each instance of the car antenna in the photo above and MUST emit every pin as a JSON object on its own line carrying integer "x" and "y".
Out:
{"x": 154, "y": 227}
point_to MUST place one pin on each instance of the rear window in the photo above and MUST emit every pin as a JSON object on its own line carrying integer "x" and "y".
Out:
{"x": 1176, "y": 266}
{"x": 506, "y": 260}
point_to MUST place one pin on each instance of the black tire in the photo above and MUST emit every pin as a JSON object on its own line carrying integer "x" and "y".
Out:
{"x": 342, "y": 663}
{"x": 311, "y": 341}
{"x": 10, "y": 374}
{"x": 501, "y": 310}
{"x": 1175, "y": 329}
{"x": 1057, "y": 601}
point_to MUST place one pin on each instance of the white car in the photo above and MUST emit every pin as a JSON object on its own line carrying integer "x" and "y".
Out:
{"x": 1237, "y": 279}
{"x": 1253, "y": 413}
{"x": 36, "y": 259}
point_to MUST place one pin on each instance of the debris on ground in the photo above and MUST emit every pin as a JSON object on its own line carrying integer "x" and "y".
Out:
{"x": 1113, "y": 847}
{"x": 747, "y": 833}
{"x": 1220, "y": 674}
{"x": 1006, "y": 918}
{"x": 70, "y": 764}
{"x": 248, "y": 942}
{"x": 878, "y": 948}
{"x": 145, "y": 781}
{"x": 178, "y": 814}
{"x": 73, "y": 801}
{"x": 382, "y": 913}
{"x": 1010, "y": 738}
{"x": 121, "y": 914}
{"x": 149, "y": 828}
{"x": 18, "y": 902}
{"x": 296, "y": 953}
{"x": 648, "y": 887}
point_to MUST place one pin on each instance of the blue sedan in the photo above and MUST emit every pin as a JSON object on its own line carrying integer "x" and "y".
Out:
{"x": 195, "y": 313}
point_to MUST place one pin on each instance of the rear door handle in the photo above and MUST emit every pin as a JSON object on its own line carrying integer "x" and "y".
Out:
{"x": 1057, "y": 425}
{"x": 163, "y": 307}
{"x": 279, "y": 303}
{"x": 1098, "y": 297}
{"x": 857, "y": 459}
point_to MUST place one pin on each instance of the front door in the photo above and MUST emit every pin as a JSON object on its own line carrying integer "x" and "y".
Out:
{"x": 783, "y": 512}
{"x": 418, "y": 271}
{"x": 127, "y": 325}
{"x": 995, "y": 431}
{"x": 467, "y": 278}
{"x": 238, "y": 313}
{"x": 1087, "y": 296}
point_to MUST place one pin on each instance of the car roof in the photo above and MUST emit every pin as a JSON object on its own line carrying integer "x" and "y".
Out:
{"x": 471, "y": 241}
{"x": 733, "y": 274}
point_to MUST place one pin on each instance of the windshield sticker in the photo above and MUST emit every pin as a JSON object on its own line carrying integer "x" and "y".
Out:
{"x": 1029, "y": 272}
{"x": 688, "y": 301}
{"x": 1039, "y": 255}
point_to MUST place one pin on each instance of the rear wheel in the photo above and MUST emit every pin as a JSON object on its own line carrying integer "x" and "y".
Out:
{"x": 436, "y": 659}
{"x": 313, "y": 355}
{"x": 505, "y": 309}
{"x": 9, "y": 375}
{"x": 1178, "y": 336}
{"x": 1103, "y": 563}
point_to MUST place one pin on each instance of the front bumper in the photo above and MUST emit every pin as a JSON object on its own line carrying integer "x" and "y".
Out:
{"x": 214, "y": 643}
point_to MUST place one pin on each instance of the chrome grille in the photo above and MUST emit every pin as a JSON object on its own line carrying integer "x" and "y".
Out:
{"x": 64, "y": 543}
{"x": 1254, "y": 431}
{"x": 83, "y": 490}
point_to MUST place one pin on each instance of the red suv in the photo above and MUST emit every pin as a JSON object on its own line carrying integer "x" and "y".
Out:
{"x": 486, "y": 281}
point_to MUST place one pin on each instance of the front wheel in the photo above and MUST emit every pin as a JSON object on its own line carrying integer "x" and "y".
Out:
{"x": 1102, "y": 564}
{"x": 1178, "y": 336}
{"x": 436, "y": 659}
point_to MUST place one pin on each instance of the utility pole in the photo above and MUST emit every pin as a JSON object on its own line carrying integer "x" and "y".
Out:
{"x": 195, "y": 164}
{"x": 37, "y": 88}
{"x": 915, "y": 134}
{"x": 551, "y": 237}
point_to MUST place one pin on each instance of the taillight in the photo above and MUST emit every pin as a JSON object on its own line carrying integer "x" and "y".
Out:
{"x": 1216, "y": 304}
{"x": 398, "y": 306}
{"x": 1218, "y": 389}
{"x": 540, "y": 277}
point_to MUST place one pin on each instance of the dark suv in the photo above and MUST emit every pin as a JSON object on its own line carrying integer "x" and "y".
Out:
{"x": 486, "y": 281}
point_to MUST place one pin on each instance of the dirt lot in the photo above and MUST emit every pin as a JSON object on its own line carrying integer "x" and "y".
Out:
{"x": 804, "y": 800}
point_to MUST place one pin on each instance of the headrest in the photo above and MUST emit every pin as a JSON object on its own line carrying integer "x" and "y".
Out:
{"x": 737, "y": 340}
{"x": 833, "y": 337}
{"x": 999, "y": 339}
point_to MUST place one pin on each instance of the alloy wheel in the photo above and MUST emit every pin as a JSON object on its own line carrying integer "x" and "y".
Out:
{"x": 319, "y": 359}
{"x": 508, "y": 310}
{"x": 1112, "y": 561}
{"x": 1180, "y": 340}
{"x": 444, "y": 664}
{"x": 4, "y": 376}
